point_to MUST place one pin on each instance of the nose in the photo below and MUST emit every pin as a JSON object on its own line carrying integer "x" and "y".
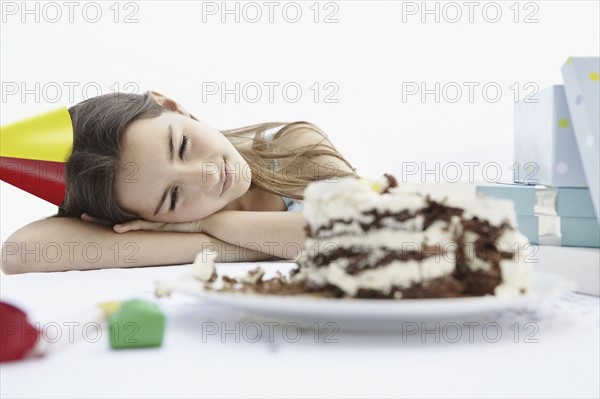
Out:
{"x": 201, "y": 176}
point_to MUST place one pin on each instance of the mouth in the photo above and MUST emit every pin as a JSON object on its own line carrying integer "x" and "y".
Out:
{"x": 225, "y": 177}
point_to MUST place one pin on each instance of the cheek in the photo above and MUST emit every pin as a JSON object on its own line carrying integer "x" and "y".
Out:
{"x": 209, "y": 142}
{"x": 199, "y": 207}
{"x": 120, "y": 195}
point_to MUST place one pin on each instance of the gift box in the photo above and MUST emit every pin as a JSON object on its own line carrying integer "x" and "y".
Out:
{"x": 549, "y": 230}
{"x": 540, "y": 229}
{"x": 543, "y": 200}
{"x": 524, "y": 196}
{"x": 550, "y": 215}
{"x": 545, "y": 149}
{"x": 529, "y": 201}
{"x": 574, "y": 202}
{"x": 529, "y": 226}
{"x": 579, "y": 232}
{"x": 582, "y": 88}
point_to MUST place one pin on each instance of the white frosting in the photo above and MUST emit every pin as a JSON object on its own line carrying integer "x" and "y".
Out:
{"x": 381, "y": 279}
{"x": 348, "y": 199}
{"x": 436, "y": 267}
{"x": 516, "y": 276}
{"x": 511, "y": 241}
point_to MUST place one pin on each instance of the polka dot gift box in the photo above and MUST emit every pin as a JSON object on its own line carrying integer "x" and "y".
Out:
{"x": 582, "y": 88}
{"x": 545, "y": 149}
{"x": 557, "y": 160}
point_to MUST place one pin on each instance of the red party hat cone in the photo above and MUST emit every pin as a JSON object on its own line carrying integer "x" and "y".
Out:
{"x": 43, "y": 179}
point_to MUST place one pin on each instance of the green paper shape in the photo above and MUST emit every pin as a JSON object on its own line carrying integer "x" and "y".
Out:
{"x": 137, "y": 324}
{"x": 563, "y": 123}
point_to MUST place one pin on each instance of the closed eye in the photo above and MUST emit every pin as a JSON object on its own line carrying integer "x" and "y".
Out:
{"x": 184, "y": 143}
{"x": 174, "y": 194}
{"x": 173, "y": 199}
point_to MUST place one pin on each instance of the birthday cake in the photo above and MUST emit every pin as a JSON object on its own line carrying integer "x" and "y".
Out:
{"x": 369, "y": 239}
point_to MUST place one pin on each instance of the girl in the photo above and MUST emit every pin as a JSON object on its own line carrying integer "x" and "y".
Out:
{"x": 143, "y": 171}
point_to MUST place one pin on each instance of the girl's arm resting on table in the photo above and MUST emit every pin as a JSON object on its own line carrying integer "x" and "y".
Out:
{"x": 61, "y": 244}
{"x": 279, "y": 234}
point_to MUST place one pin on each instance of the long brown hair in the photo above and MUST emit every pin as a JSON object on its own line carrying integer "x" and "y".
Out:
{"x": 99, "y": 124}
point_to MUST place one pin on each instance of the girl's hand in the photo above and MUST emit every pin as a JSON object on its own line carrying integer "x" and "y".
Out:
{"x": 195, "y": 226}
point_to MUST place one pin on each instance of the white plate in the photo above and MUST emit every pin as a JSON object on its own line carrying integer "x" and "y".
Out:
{"x": 370, "y": 313}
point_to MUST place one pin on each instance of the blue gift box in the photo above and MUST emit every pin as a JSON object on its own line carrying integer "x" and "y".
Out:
{"x": 545, "y": 149}
{"x": 524, "y": 196}
{"x": 550, "y": 215}
{"x": 574, "y": 202}
{"x": 543, "y": 200}
{"x": 564, "y": 231}
{"x": 579, "y": 232}
{"x": 582, "y": 88}
{"x": 529, "y": 226}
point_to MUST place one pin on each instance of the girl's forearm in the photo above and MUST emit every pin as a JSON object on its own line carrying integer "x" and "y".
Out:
{"x": 280, "y": 234}
{"x": 61, "y": 244}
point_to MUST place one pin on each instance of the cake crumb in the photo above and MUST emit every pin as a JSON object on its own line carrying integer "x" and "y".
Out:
{"x": 254, "y": 276}
{"x": 162, "y": 289}
{"x": 229, "y": 280}
{"x": 203, "y": 267}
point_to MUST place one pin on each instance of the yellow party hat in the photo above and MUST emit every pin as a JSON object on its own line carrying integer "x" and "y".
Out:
{"x": 46, "y": 137}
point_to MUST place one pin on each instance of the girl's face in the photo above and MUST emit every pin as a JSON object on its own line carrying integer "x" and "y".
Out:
{"x": 177, "y": 169}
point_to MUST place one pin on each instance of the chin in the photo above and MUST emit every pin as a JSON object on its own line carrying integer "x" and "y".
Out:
{"x": 242, "y": 179}
{"x": 241, "y": 188}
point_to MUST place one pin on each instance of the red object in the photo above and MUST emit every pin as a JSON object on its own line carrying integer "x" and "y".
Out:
{"x": 18, "y": 336}
{"x": 44, "y": 179}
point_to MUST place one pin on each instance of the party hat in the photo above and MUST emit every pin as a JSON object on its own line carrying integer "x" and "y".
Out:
{"x": 33, "y": 153}
{"x": 18, "y": 335}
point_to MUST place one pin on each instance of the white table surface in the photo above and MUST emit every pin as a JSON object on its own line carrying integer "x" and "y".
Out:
{"x": 562, "y": 362}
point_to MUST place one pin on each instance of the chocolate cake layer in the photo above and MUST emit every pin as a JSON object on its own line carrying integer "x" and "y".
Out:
{"x": 360, "y": 259}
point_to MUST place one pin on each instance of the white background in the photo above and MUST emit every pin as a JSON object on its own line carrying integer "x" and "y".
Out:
{"x": 374, "y": 48}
